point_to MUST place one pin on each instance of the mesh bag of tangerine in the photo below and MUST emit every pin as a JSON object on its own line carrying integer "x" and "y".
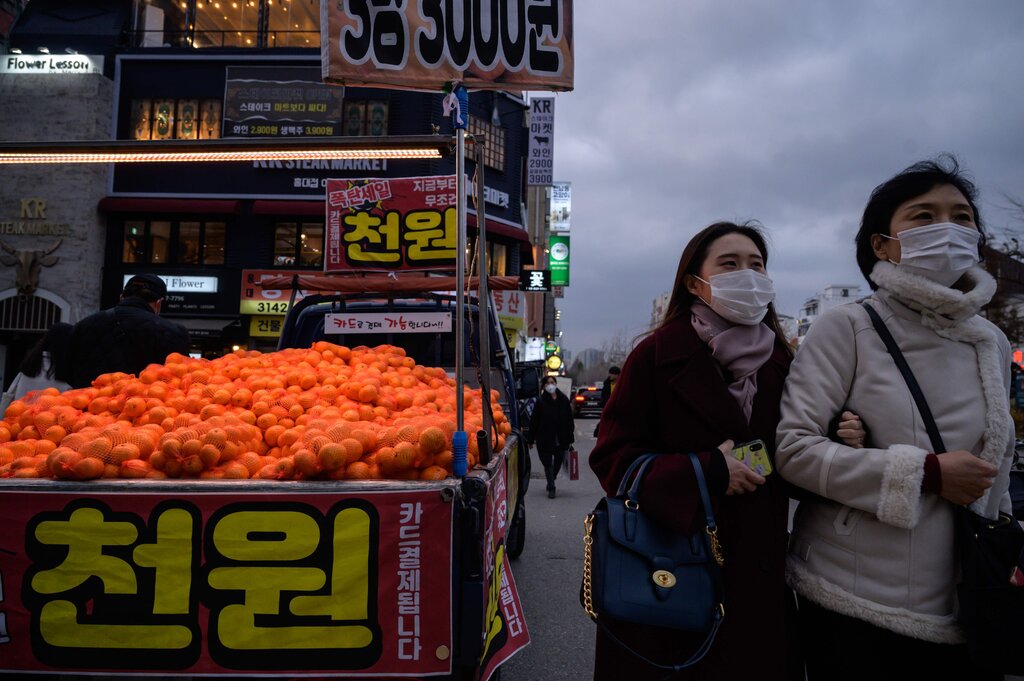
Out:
{"x": 327, "y": 412}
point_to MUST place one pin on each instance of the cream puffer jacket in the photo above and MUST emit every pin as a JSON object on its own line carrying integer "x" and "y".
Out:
{"x": 873, "y": 546}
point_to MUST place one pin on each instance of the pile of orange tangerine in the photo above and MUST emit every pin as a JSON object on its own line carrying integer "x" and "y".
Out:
{"x": 325, "y": 413}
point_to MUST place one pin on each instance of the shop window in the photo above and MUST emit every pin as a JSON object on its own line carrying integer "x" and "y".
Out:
{"x": 369, "y": 118}
{"x": 494, "y": 138}
{"x": 227, "y": 23}
{"x": 213, "y": 243}
{"x": 183, "y": 119}
{"x": 160, "y": 241}
{"x": 163, "y": 242}
{"x": 299, "y": 244}
{"x": 189, "y": 234}
{"x": 497, "y": 263}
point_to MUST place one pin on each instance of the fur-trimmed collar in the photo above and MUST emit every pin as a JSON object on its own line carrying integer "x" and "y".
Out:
{"x": 950, "y": 313}
{"x": 940, "y": 306}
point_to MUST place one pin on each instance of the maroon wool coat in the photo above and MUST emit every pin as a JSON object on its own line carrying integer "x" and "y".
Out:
{"x": 671, "y": 398}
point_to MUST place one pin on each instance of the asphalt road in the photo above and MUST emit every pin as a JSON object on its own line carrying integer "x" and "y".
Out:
{"x": 548, "y": 575}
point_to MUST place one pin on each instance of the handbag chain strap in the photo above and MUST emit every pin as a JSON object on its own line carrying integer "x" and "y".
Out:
{"x": 588, "y": 544}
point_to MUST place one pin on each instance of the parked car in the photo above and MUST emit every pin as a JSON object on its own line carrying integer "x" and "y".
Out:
{"x": 586, "y": 401}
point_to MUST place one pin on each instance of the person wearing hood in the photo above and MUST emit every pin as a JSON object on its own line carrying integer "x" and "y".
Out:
{"x": 129, "y": 336}
{"x": 872, "y": 555}
{"x": 552, "y": 430}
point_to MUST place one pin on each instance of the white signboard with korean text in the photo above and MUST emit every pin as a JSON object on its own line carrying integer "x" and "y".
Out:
{"x": 388, "y": 322}
{"x": 540, "y": 159}
{"x": 561, "y": 203}
{"x": 180, "y": 284}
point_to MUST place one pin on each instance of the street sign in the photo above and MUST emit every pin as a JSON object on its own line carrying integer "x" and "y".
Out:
{"x": 540, "y": 156}
{"x": 559, "y": 260}
{"x": 535, "y": 280}
{"x": 550, "y": 347}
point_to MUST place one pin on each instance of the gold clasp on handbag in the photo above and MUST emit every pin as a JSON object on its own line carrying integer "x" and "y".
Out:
{"x": 631, "y": 505}
{"x": 716, "y": 548}
{"x": 664, "y": 578}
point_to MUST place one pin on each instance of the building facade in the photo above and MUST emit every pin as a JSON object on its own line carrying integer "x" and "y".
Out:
{"x": 179, "y": 71}
{"x": 832, "y": 296}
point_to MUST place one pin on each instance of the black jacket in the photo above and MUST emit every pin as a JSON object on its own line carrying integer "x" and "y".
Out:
{"x": 128, "y": 337}
{"x": 551, "y": 423}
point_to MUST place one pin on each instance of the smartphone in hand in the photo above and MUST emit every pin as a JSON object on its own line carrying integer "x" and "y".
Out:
{"x": 754, "y": 455}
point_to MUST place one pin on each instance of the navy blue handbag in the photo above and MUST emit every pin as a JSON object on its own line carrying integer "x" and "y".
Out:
{"x": 636, "y": 570}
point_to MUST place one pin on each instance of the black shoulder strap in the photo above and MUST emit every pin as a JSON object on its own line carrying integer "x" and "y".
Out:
{"x": 908, "y": 376}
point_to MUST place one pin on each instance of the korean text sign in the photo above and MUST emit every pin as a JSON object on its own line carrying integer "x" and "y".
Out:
{"x": 509, "y": 45}
{"x": 540, "y": 157}
{"x": 391, "y": 224}
{"x": 239, "y": 583}
{"x": 388, "y": 322}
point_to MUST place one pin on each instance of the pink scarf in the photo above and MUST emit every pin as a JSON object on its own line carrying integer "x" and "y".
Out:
{"x": 739, "y": 349}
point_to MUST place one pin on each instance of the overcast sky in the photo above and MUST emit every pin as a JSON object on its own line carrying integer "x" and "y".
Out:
{"x": 688, "y": 112}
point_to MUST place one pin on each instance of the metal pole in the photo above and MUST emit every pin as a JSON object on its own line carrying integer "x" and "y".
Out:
{"x": 460, "y": 275}
{"x": 484, "y": 300}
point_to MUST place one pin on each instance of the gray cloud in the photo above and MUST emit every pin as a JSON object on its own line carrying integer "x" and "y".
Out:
{"x": 788, "y": 113}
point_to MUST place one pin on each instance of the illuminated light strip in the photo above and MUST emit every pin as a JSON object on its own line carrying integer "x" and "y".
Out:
{"x": 212, "y": 156}
{"x": 225, "y": 150}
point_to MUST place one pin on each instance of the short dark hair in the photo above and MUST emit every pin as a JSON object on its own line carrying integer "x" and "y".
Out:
{"x": 614, "y": 370}
{"x": 149, "y": 287}
{"x": 913, "y": 181}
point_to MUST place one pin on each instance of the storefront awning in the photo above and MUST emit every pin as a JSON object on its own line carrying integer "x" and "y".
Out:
{"x": 120, "y": 204}
{"x": 289, "y": 208}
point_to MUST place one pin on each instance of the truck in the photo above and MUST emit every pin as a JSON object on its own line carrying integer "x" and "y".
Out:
{"x": 327, "y": 578}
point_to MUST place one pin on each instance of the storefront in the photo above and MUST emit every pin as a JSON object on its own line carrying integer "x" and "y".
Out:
{"x": 220, "y": 223}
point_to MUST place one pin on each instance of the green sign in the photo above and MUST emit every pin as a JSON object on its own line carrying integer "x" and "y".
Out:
{"x": 550, "y": 347}
{"x": 559, "y": 260}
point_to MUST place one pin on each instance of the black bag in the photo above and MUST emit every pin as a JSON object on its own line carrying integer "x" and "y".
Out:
{"x": 991, "y": 552}
{"x": 638, "y": 571}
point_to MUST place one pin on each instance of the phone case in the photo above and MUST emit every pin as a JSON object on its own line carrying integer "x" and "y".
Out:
{"x": 755, "y": 456}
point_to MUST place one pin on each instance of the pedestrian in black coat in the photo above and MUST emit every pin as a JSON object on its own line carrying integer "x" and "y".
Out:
{"x": 128, "y": 337}
{"x": 552, "y": 430}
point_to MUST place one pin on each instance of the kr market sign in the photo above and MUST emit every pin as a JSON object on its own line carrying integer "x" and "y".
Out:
{"x": 510, "y": 45}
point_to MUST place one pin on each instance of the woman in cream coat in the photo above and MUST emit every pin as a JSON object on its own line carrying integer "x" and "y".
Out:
{"x": 871, "y": 557}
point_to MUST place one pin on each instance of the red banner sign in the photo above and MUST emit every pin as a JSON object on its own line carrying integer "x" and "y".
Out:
{"x": 325, "y": 584}
{"x": 509, "y": 45}
{"x": 504, "y": 621}
{"x": 391, "y": 224}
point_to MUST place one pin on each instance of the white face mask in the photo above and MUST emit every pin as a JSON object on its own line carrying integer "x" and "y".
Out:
{"x": 741, "y": 296}
{"x": 550, "y": 388}
{"x": 941, "y": 252}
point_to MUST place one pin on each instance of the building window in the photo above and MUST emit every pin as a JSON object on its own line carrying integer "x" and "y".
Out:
{"x": 365, "y": 118}
{"x": 497, "y": 264}
{"x": 227, "y": 23}
{"x": 165, "y": 242}
{"x": 494, "y": 138}
{"x": 299, "y": 244}
{"x": 183, "y": 119}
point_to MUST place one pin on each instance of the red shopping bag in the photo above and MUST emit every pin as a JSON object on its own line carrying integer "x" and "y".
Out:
{"x": 574, "y": 464}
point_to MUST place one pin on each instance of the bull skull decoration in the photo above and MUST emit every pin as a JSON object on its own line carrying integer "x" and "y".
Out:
{"x": 28, "y": 263}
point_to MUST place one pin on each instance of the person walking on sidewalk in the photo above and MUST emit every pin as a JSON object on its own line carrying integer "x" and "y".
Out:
{"x": 552, "y": 430}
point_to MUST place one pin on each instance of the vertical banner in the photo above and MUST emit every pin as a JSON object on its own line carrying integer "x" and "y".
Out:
{"x": 514, "y": 46}
{"x": 559, "y": 260}
{"x": 561, "y": 204}
{"x": 504, "y": 621}
{"x": 391, "y": 224}
{"x": 540, "y": 157}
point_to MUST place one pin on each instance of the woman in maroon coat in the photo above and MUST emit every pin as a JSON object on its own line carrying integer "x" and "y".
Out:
{"x": 708, "y": 378}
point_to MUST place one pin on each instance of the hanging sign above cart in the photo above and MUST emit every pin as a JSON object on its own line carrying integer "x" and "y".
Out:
{"x": 510, "y": 45}
{"x": 391, "y": 224}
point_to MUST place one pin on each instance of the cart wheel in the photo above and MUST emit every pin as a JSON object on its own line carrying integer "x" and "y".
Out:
{"x": 515, "y": 541}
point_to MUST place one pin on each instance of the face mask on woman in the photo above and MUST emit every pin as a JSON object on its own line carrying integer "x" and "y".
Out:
{"x": 550, "y": 388}
{"x": 740, "y": 296}
{"x": 941, "y": 252}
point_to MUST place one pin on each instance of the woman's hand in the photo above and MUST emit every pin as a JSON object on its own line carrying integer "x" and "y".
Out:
{"x": 741, "y": 478}
{"x": 851, "y": 430}
{"x": 965, "y": 477}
